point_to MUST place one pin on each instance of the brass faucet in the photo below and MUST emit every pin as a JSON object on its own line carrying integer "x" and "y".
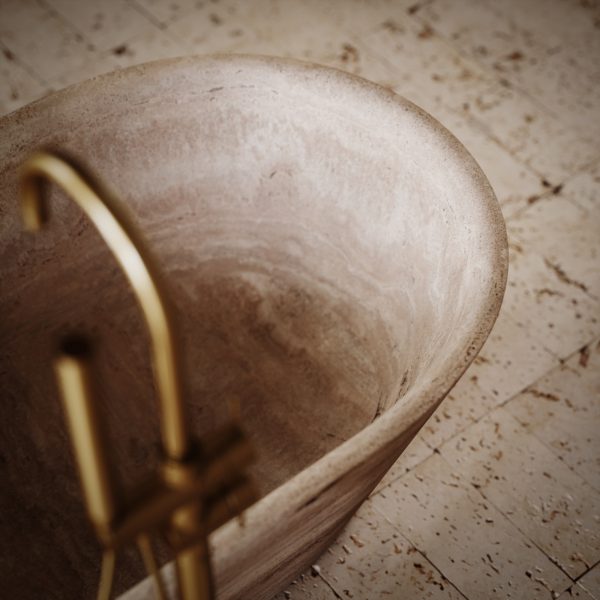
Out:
{"x": 199, "y": 484}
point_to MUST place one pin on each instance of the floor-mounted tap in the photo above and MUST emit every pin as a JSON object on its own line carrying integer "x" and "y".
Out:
{"x": 200, "y": 484}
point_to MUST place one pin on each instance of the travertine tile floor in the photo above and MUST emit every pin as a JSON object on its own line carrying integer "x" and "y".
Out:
{"x": 499, "y": 496}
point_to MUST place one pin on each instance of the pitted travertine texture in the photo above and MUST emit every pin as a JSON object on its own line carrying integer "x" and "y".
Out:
{"x": 336, "y": 259}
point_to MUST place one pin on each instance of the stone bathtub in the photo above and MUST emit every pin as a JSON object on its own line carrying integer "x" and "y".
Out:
{"x": 336, "y": 259}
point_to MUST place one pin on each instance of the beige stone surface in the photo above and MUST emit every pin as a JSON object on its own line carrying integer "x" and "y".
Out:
{"x": 528, "y": 110}
{"x": 464, "y": 534}
{"x": 543, "y": 299}
{"x": 555, "y": 508}
{"x": 563, "y": 410}
{"x": 545, "y": 49}
{"x": 370, "y": 560}
{"x": 59, "y": 49}
{"x": 511, "y": 358}
{"x": 19, "y": 86}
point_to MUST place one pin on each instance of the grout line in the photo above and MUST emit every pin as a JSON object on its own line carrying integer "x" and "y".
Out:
{"x": 162, "y": 25}
{"x": 542, "y": 441}
{"x": 550, "y": 192}
{"x": 552, "y": 559}
{"x": 466, "y": 483}
{"x": 436, "y": 448}
{"x": 525, "y": 536}
{"x": 590, "y": 568}
{"x": 142, "y": 10}
{"x": 66, "y": 23}
{"x": 16, "y": 58}
{"x": 423, "y": 553}
{"x": 515, "y": 87}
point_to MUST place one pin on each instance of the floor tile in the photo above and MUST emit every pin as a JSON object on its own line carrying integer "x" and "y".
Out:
{"x": 318, "y": 43}
{"x": 563, "y": 410}
{"x": 425, "y": 68}
{"x": 60, "y": 49}
{"x": 473, "y": 26}
{"x": 371, "y": 560}
{"x": 300, "y": 35}
{"x": 565, "y": 72}
{"x": 511, "y": 358}
{"x": 554, "y": 20}
{"x": 550, "y": 504}
{"x": 19, "y": 87}
{"x": 591, "y": 581}
{"x": 292, "y": 31}
{"x": 153, "y": 44}
{"x": 465, "y": 537}
{"x": 97, "y": 66}
{"x": 534, "y": 135}
{"x": 356, "y": 17}
{"x": 544, "y": 47}
{"x": 566, "y": 234}
{"x": 165, "y": 11}
{"x": 544, "y": 294}
{"x": 107, "y": 24}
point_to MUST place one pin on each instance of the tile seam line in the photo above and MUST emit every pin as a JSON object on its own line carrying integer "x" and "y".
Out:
{"x": 65, "y": 21}
{"x": 555, "y": 593}
{"x": 503, "y": 405}
{"x": 551, "y": 449}
{"x": 590, "y": 568}
{"x": 420, "y": 551}
{"x": 54, "y": 13}
{"x": 142, "y": 10}
{"x": 519, "y": 424}
{"x": 536, "y": 436}
{"x": 513, "y": 86}
{"x": 436, "y": 449}
{"x": 549, "y": 193}
{"x": 24, "y": 65}
{"x": 526, "y": 537}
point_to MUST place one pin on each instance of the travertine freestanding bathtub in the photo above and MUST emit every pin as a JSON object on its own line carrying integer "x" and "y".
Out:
{"x": 336, "y": 259}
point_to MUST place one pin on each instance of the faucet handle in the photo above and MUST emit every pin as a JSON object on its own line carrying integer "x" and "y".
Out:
{"x": 72, "y": 368}
{"x": 215, "y": 473}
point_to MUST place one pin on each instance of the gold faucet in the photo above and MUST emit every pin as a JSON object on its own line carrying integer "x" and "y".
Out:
{"x": 199, "y": 484}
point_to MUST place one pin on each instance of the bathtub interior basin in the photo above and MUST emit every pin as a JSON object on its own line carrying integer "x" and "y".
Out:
{"x": 335, "y": 257}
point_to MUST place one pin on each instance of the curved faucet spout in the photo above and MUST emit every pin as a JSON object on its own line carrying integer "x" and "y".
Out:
{"x": 120, "y": 235}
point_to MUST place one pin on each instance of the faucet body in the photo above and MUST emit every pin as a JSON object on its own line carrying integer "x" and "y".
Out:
{"x": 199, "y": 485}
